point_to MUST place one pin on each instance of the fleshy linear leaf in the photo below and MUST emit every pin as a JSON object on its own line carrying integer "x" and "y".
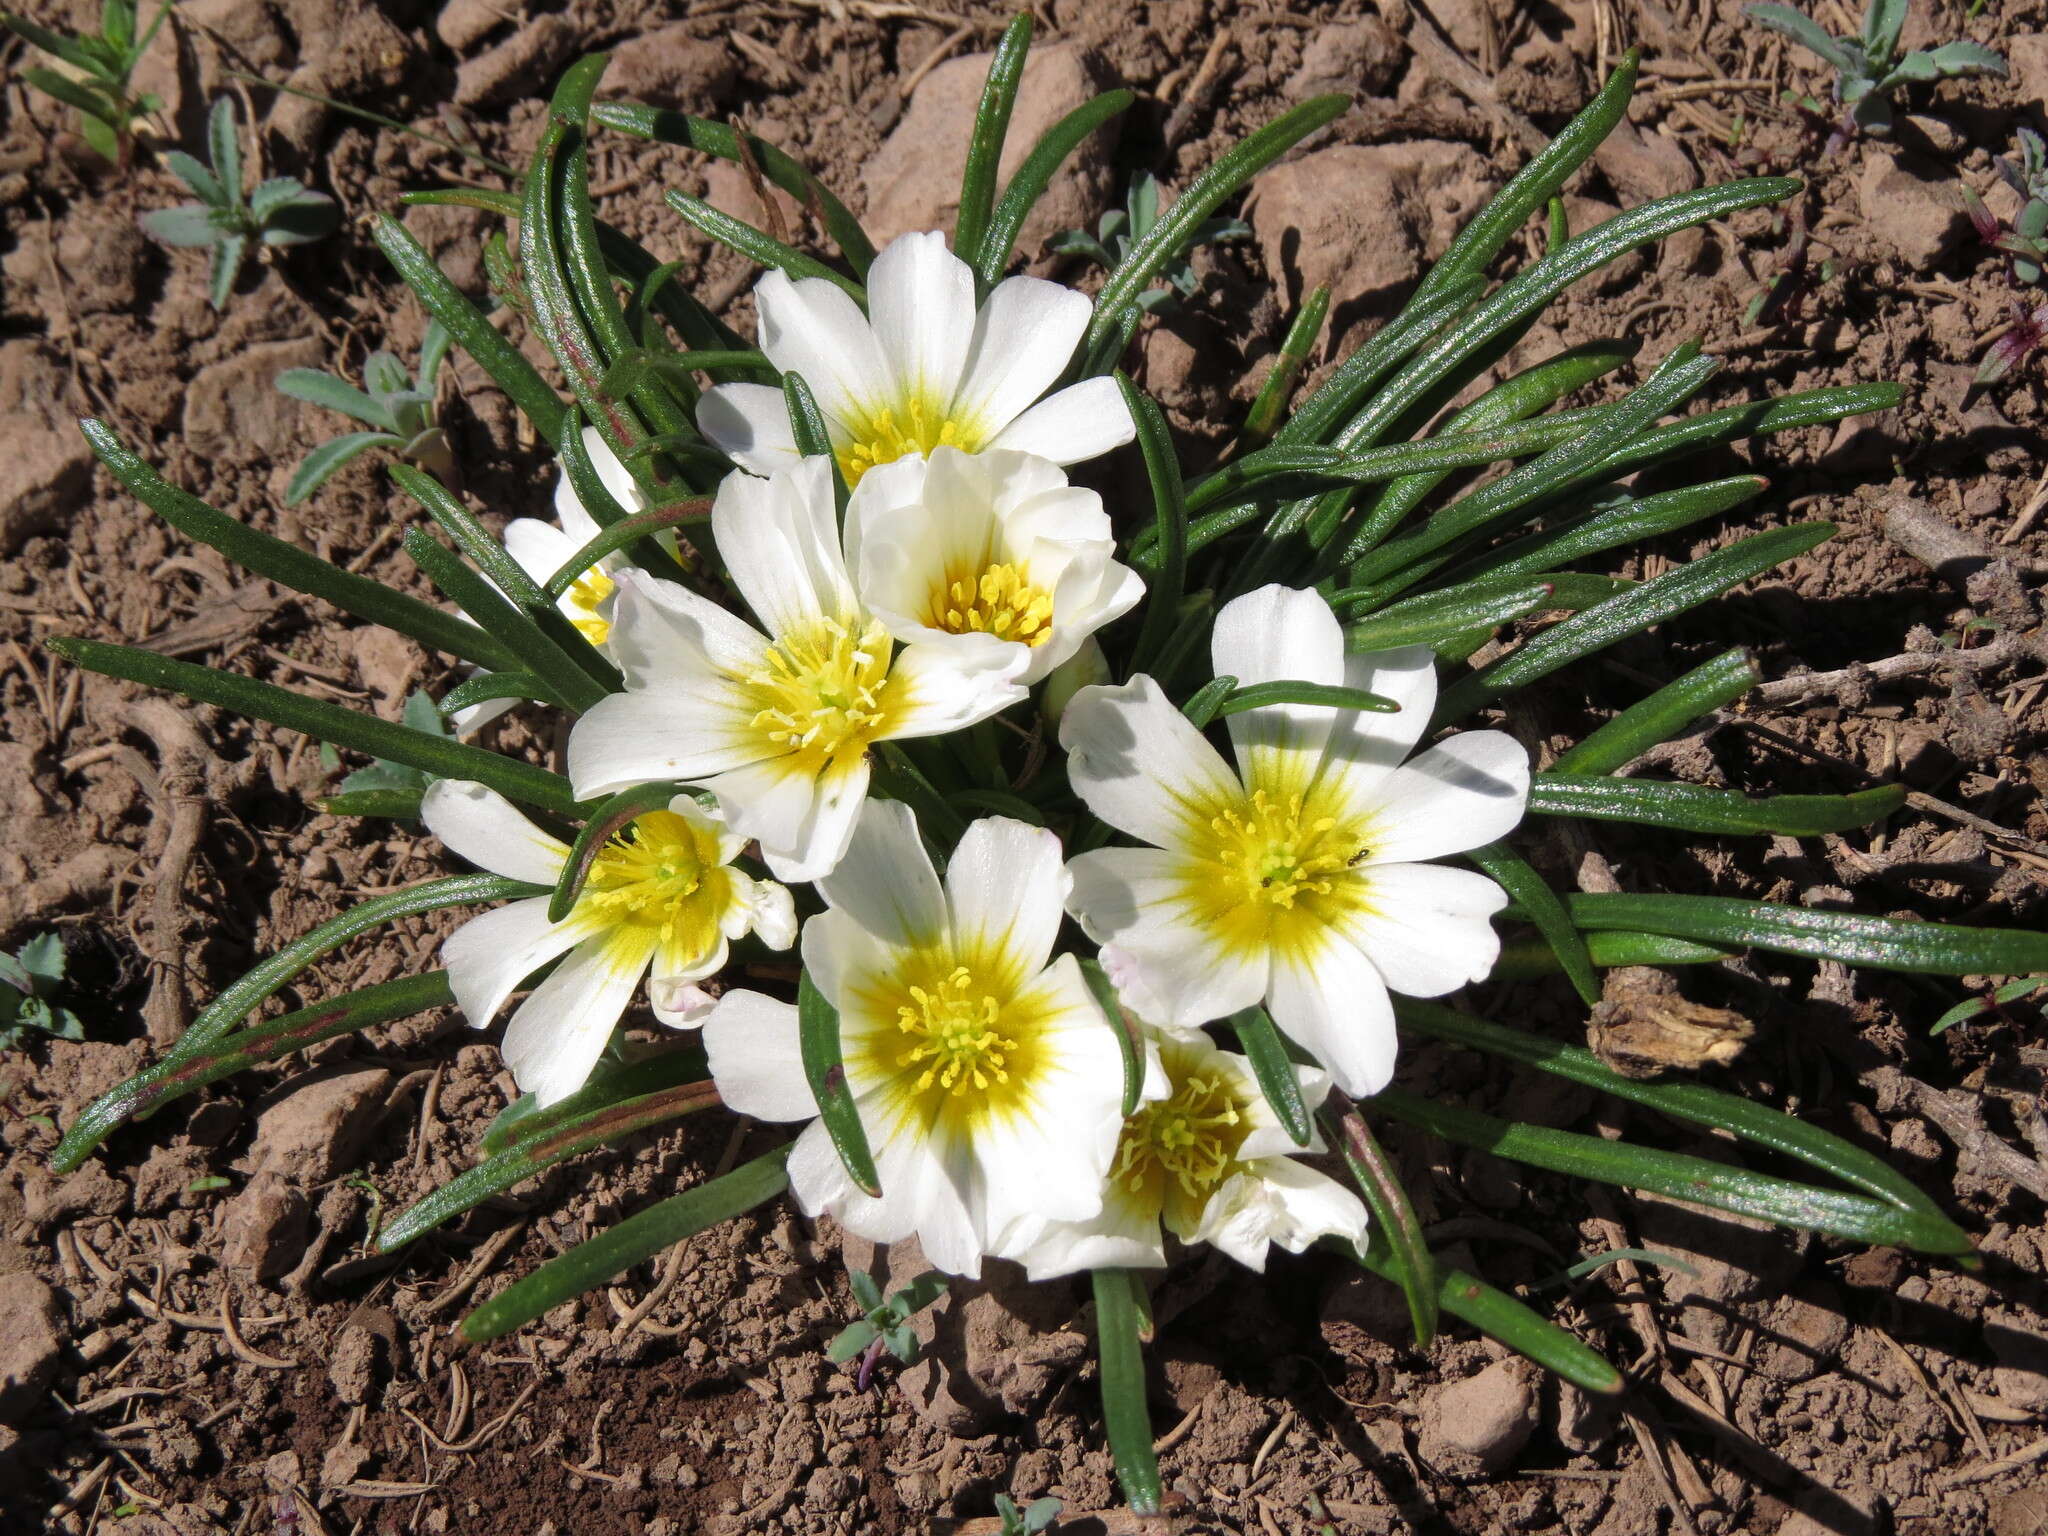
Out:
{"x": 1663, "y": 715}
{"x": 605, "y": 823}
{"x": 1393, "y": 1216}
{"x": 1035, "y": 174}
{"x": 1316, "y": 695}
{"x": 1541, "y": 905}
{"x": 985, "y": 144}
{"x": 638, "y": 1237}
{"x": 825, "y": 1071}
{"x": 758, "y": 245}
{"x": 1167, "y": 580}
{"x": 1126, "y": 1035}
{"x": 1119, "y": 1313}
{"x": 1274, "y": 1069}
{"x": 1693, "y": 808}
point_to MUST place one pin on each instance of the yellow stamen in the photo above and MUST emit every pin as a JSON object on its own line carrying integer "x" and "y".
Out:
{"x": 662, "y": 874}
{"x": 1176, "y": 1151}
{"x": 953, "y": 1036}
{"x": 950, "y": 1046}
{"x": 887, "y": 430}
{"x": 1001, "y": 601}
{"x": 1272, "y": 871}
{"x": 823, "y": 691}
{"x": 584, "y": 600}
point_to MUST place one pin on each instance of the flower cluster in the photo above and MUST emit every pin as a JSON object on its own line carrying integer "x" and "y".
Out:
{"x": 962, "y": 571}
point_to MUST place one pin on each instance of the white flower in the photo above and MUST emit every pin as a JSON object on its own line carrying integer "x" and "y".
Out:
{"x": 922, "y": 369}
{"x": 777, "y": 725}
{"x": 1294, "y": 881}
{"x": 998, "y": 543}
{"x": 542, "y": 548}
{"x": 1205, "y": 1156}
{"x": 665, "y": 898}
{"x": 987, "y": 1080}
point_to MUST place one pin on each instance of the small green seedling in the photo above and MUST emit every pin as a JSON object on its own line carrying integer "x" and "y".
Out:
{"x": 1121, "y": 228}
{"x": 397, "y": 407}
{"x": 1868, "y": 68}
{"x": 2026, "y": 247}
{"x": 281, "y": 211}
{"x": 1034, "y": 1517}
{"x": 390, "y": 789}
{"x": 887, "y": 1323}
{"x": 95, "y": 72}
{"x": 1994, "y": 1001}
{"x": 28, "y": 979}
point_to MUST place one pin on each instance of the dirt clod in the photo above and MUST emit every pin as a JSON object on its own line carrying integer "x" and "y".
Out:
{"x": 1477, "y": 1426}
{"x": 31, "y": 1337}
{"x": 315, "y": 1131}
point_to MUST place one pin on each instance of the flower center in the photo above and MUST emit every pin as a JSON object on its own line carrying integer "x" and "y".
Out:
{"x": 1279, "y": 853}
{"x": 822, "y": 689}
{"x": 954, "y": 1037}
{"x": 890, "y": 430}
{"x": 584, "y": 600}
{"x": 1002, "y": 601}
{"x": 661, "y": 877}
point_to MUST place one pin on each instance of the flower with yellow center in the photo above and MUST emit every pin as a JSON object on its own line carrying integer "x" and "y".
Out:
{"x": 1297, "y": 879}
{"x": 543, "y": 548}
{"x": 923, "y": 369}
{"x": 777, "y": 725}
{"x": 662, "y": 898}
{"x": 987, "y": 1080}
{"x": 1205, "y": 1159}
{"x": 958, "y": 547}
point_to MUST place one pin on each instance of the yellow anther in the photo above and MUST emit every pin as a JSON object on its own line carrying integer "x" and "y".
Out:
{"x": 823, "y": 690}
{"x": 1000, "y": 600}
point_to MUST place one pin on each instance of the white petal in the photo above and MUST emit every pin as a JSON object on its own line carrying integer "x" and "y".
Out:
{"x": 1279, "y": 634}
{"x": 688, "y": 729}
{"x": 1459, "y": 794}
{"x": 1082, "y": 421}
{"x": 935, "y": 689}
{"x": 1278, "y": 1200}
{"x": 885, "y": 881}
{"x": 921, "y": 304}
{"x": 779, "y": 538}
{"x": 541, "y": 549}
{"x": 757, "y": 1059}
{"x": 570, "y": 512}
{"x": 1024, "y": 338}
{"x": 802, "y": 820}
{"x": 661, "y": 630}
{"x": 558, "y": 1033}
{"x": 489, "y": 956}
{"x": 1135, "y": 900}
{"x": 680, "y": 1004}
{"x": 1367, "y": 746}
{"x": 1427, "y": 927}
{"x": 481, "y": 825}
{"x": 1006, "y": 891}
{"x": 750, "y": 424}
{"x": 1137, "y": 763}
{"x": 1121, "y": 1236}
{"x": 889, "y": 530}
{"x": 812, "y": 328}
{"x": 770, "y": 913}
{"x": 844, "y": 959}
{"x": 1334, "y": 1004}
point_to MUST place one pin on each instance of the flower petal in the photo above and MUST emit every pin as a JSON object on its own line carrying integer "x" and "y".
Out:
{"x": 1006, "y": 891}
{"x": 539, "y": 548}
{"x": 1023, "y": 340}
{"x": 482, "y": 826}
{"x": 750, "y": 424}
{"x": 1277, "y": 1200}
{"x": 558, "y": 1033}
{"x": 757, "y": 1058}
{"x": 490, "y": 955}
{"x": 1427, "y": 928}
{"x": 921, "y": 305}
{"x": 1334, "y": 1004}
{"x": 1136, "y": 901}
{"x": 813, "y": 328}
{"x": 779, "y": 538}
{"x": 1279, "y": 634}
{"x": 661, "y": 629}
{"x": 570, "y": 512}
{"x": 1123, "y": 1235}
{"x": 1365, "y": 747}
{"x": 1140, "y": 766}
{"x": 801, "y": 819}
{"x": 936, "y": 689}
{"x": 1082, "y": 421}
{"x": 885, "y": 881}
{"x": 691, "y": 728}
{"x": 1459, "y": 794}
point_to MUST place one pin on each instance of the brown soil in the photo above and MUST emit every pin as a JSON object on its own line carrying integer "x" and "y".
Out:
{"x": 1793, "y": 1386}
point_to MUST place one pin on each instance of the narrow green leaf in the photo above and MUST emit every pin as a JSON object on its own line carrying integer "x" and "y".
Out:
{"x": 487, "y": 688}
{"x": 567, "y": 683}
{"x": 1324, "y": 414}
{"x": 321, "y": 465}
{"x": 170, "y": 1080}
{"x": 1692, "y": 808}
{"x": 224, "y": 147}
{"x": 1526, "y": 958}
{"x": 758, "y": 245}
{"x": 1716, "y": 1185}
{"x": 1263, "y": 420}
{"x": 628, "y": 530}
{"x": 1126, "y": 1033}
{"x": 1119, "y": 1310}
{"x": 806, "y": 421}
{"x": 1203, "y": 703}
{"x": 1695, "y": 1102}
{"x": 606, "y": 822}
{"x": 825, "y": 1071}
{"x": 1230, "y": 172}
{"x": 1317, "y": 695}
{"x": 596, "y": 497}
{"x": 324, "y": 721}
{"x": 1630, "y": 613}
{"x": 475, "y": 334}
{"x": 72, "y": 94}
{"x": 1168, "y": 579}
{"x": 1500, "y": 1316}
{"x": 654, "y": 1092}
{"x": 1434, "y": 616}
{"x": 1393, "y": 1215}
{"x": 1274, "y": 1068}
{"x": 985, "y": 144}
{"x": 1540, "y": 904}
{"x": 1035, "y": 174}
{"x": 393, "y": 804}
{"x": 1814, "y": 407}
{"x": 637, "y": 1238}
{"x": 57, "y": 45}
{"x": 1663, "y": 715}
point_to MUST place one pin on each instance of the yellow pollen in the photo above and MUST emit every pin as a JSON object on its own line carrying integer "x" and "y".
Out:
{"x": 1278, "y": 853}
{"x": 1176, "y": 1151}
{"x": 954, "y": 1036}
{"x": 666, "y": 876}
{"x": 884, "y": 432}
{"x": 584, "y": 598}
{"x": 1001, "y": 601}
{"x": 823, "y": 690}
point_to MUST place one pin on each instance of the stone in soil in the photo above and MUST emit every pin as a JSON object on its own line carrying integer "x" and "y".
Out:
{"x": 315, "y": 1131}
{"x": 913, "y": 181}
{"x": 1477, "y": 1426}
{"x": 31, "y": 1338}
{"x": 44, "y": 473}
{"x": 1913, "y": 204}
{"x": 263, "y": 1229}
